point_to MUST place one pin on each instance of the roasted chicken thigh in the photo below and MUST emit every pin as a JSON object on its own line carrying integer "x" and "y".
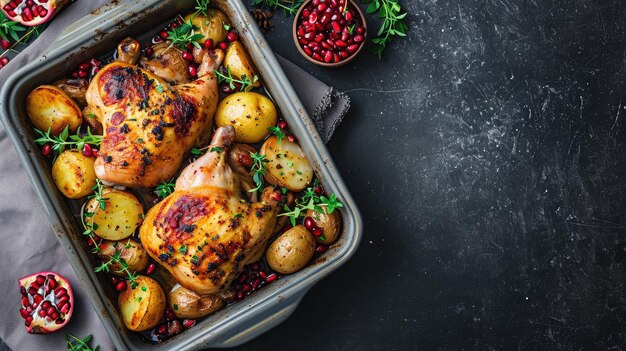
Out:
{"x": 204, "y": 233}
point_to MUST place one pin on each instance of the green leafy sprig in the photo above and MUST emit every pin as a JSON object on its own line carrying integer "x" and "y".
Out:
{"x": 393, "y": 25}
{"x": 9, "y": 29}
{"x": 289, "y": 7}
{"x": 78, "y": 344}
{"x": 202, "y": 7}
{"x": 311, "y": 201}
{"x": 165, "y": 188}
{"x": 89, "y": 226}
{"x": 65, "y": 139}
{"x": 245, "y": 82}
{"x": 258, "y": 170}
{"x": 116, "y": 258}
{"x": 184, "y": 34}
{"x": 278, "y": 132}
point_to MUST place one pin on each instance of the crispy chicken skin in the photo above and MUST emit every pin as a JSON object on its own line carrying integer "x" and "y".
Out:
{"x": 149, "y": 126}
{"x": 203, "y": 233}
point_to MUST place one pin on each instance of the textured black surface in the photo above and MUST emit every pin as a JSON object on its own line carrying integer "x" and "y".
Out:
{"x": 486, "y": 152}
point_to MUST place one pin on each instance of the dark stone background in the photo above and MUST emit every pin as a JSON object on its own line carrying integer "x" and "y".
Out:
{"x": 486, "y": 153}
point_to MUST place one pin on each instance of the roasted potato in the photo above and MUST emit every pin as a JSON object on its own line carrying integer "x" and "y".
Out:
{"x": 288, "y": 166}
{"x": 122, "y": 214}
{"x": 250, "y": 113}
{"x": 291, "y": 251}
{"x": 167, "y": 62}
{"x": 142, "y": 307}
{"x": 76, "y": 88}
{"x": 130, "y": 250}
{"x": 211, "y": 25}
{"x": 330, "y": 224}
{"x": 239, "y": 63}
{"x": 187, "y": 304}
{"x": 49, "y": 107}
{"x": 73, "y": 173}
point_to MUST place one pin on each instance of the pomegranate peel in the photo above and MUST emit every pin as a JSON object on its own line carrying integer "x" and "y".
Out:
{"x": 47, "y": 302}
{"x": 31, "y": 12}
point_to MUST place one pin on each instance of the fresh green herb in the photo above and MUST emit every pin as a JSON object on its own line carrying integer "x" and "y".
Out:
{"x": 299, "y": 173}
{"x": 245, "y": 82}
{"x": 311, "y": 201}
{"x": 139, "y": 298}
{"x": 183, "y": 249}
{"x": 98, "y": 189}
{"x": 238, "y": 215}
{"x": 89, "y": 226}
{"x": 226, "y": 27}
{"x": 184, "y": 34}
{"x": 258, "y": 169}
{"x": 160, "y": 88}
{"x": 175, "y": 307}
{"x": 198, "y": 152}
{"x": 278, "y": 132}
{"x": 391, "y": 13}
{"x": 116, "y": 258}
{"x": 143, "y": 288}
{"x": 9, "y": 29}
{"x": 202, "y": 6}
{"x": 290, "y": 7}
{"x": 65, "y": 139}
{"x": 289, "y": 164}
{"x": 351, "y": 28}
{"x": 91, "y": 115}
{"x": 165, "y": 188}
{"x": 283, "y": 190}
{"x": 216, "y": 149}
{"x": 78, "y": 344}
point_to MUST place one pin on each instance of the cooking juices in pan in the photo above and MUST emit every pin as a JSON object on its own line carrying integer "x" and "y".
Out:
{"x": 234, "y": 203}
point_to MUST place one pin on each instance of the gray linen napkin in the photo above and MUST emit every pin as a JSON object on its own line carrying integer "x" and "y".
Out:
{"x": 29, "y": 244}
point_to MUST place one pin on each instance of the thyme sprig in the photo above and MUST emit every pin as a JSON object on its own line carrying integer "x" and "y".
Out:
{"x": 289, "y": 7}
{"x": 311, "y": 201}
{"x": 184, "y": 34}
{"x": 165, "y": 188}
{"x": 278, "y": 132}
{"x": 78, "y": 344}
{"x": 202, "y": 7}
{"x": 246, "y": 84}
{"x": 116, "y": 258}
{"x": 393, "y": 25}
{"x": 89, "y": 226}
{"x": 258, "y": 170}
{"x": 65, "y": 139}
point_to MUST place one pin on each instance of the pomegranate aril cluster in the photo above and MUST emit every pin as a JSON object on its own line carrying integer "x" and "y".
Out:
{"x": 253, "y": 278}
{"x": 87, "y": 69}
{"x": 330, "y": 31}
{"x": 28, "y": 9}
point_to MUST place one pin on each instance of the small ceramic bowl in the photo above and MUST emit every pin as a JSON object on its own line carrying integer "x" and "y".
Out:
{"x": 327, "y": 34}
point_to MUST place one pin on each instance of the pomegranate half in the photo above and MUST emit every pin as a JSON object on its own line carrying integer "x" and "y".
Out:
{"x": 47, "y": 302}
{"x": 32, "y": 12}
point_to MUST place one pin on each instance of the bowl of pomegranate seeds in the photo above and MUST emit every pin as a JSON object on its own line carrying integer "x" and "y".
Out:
{"x": 329, "y": 33}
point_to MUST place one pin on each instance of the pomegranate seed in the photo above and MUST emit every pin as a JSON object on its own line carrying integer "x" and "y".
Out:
{"x": 27, "y": 14}
{"x": 84, "y": 66}
{"x": 42, "y": 313}
{"x": 256, "y": 284}
{"x": 52, "y": 283}
{"x": 358, "y": 38}
{"x": 45, "y": 304}
{"x": 5, "y": 45}
{"x": 28, "y": 321}
{"x": 163, "y": 35}
{"x": 45, "y": 150}
{"x": 11, "y": 13}
{"x": 240, "y": 295}
{"x": 277, "y": 196}
{"x": 313, "y": 17}
{"x": 75, "y": 74}
{"x": 50, "y": 310}
{"x": 115, "y": 280}
{"x": 348, "y": 16}
{"x": 303, "y": 41}
{"x": 318, "y": 57}
{"x": 300, "y": 31}
{"x": 306, "y": 13}
{"x": 308, "y": 51}
{"x": 282, "y": 124}
{"x": 353, "y": 48}
{"x": 318, "y": 190}
{"x": 40, "y": 280}
{"x": 291, "y": 138}
{"x": 94, "y": 153}
{"x": 149, "y": 51}
{"x": 343, "y": 55}
{"x": 336, "y": 58}
{"x": 336, "y": 27}
{"x": 315, "y": 2}
{"x": 42, "y": 11}
{"x": 341, "y": 43}
{"x": 334, "y": 36}
{"x": 121, "y": 286}
{"x": 360, "y": 30}
{"x": 151, "y": 268}
{"x": 63, "y": 298}
{"x": 208, "y": 44}
{"x": 246, "y": 287}
{"x": 188, "y": 323}
{"x": 33, "y": 290}
{"x": 319, "y": 37}
{"x": 319, "y": 26}
{"x": 324, "y": 19}
{"x": 255, "y": 267}
{"x": 189, "y": 46}
{"x": 263, "y": 274}
{"x": 65, "y": 308}
{"x": 226, "y": 89}
{"x": 174, "y": 25}
{"x": 321, "y": 7}
{"x": 30, "y": 3}
{"x": 25, "y": 301}
{"x": 232, "y": 36}
{"x": 309, "y": 29}
{"x": 270, "y": 278}
{"x": 95, "y": 62}
{"x": 345, "y": 35}
{"x": 309, "y": 223}
{"x": 223, "y": 45}
{"x": 82, "y": 74}
{"x": 317, "y": 231}
{"x": 23, "y": 313}
{"x": 243, "y": 278}
{"x": 325, "y": 45}
{"x": 23, "y": 291}
{"x": 193, "y": 70}
{"x": 187, "y": 56}
{"x": 162, "y": 329}
{"x": 54, "y": 315}
{"x": 321, "y": 249}
{"x": 169, "y": 314}
{"x": 8, "y": 7}
{"x": 87, "y": 150}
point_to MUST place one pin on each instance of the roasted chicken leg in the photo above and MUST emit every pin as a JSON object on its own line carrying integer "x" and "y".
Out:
{"x": 149, "y": 125}
{"x": 203, "y": 233}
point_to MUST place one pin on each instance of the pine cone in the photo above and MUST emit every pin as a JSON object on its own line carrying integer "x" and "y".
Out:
{"x": 262, "y": 18}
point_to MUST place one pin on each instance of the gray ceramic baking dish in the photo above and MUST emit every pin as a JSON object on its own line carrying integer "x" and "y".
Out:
{"x": 97, "y": 35}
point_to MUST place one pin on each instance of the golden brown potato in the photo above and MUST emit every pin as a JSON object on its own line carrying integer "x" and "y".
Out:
{"x": 73, "y": 173}
{"x": 291, "y": 251}
{"x": 49, "y": 107}
{"x": 330, "y": 224}
{"x": 187, "y": 304}
{"x": 288, "y": 166}
{"x": 130, "y": 250}
{"x": 239, "y": 63}
{"x": 250, "y": 113}
{"x": 211, "y": 25}
{"x": 76, "y": 88}
{"x": 142, "y": 307}
{"x": 121, "y": 216}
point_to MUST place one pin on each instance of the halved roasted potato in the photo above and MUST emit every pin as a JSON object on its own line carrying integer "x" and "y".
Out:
{"x": 239, "y": 62}
{"x": 210, "y": 26}
{"x": 142, "y": 307}
{"x": 131, "y": 251}
{"x": 49, "y": 107}
{"x": 188, "y": 304}
{"x": 288, "y": 166}
{"x": 73, "y": 173}
{"x": 330, "y": 224}
{"x": 75, "y": 88}
{"x": 121, "y": 216}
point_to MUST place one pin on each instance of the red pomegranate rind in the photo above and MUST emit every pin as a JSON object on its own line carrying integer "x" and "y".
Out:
{"x": 47, "y": 302}
{"x": 32, "y": 12}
